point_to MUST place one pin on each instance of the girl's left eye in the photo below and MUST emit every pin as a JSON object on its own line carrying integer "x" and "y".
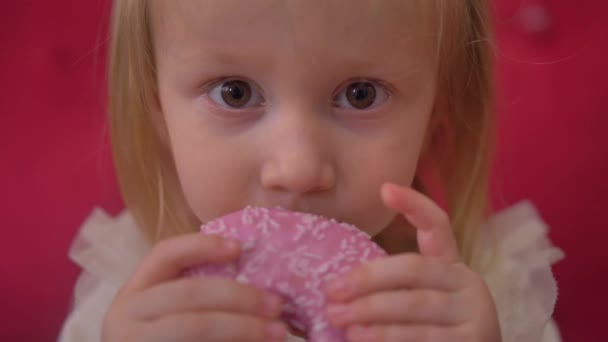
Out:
{"x": 361, "y": 96}
{"x": 236, "y": 94}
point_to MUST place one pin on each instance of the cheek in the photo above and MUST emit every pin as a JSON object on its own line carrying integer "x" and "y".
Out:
{"x": 388, "y": 157}
{"x": 214, "y": 185}
{"x": 214, "y": 175}
{"x": 373, "y": 216}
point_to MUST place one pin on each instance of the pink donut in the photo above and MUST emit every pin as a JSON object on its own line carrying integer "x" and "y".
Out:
{"x": 292, "y": 254}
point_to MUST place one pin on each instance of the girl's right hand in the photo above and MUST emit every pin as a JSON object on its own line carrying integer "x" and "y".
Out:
{"x": 158, "y": 304}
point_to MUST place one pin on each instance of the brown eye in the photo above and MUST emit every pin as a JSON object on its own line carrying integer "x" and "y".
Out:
{"x": 361, "y": 95}
{"x": 236, "y": 93}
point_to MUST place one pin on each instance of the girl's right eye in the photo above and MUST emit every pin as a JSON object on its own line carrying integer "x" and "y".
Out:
{"x": 235, "y": 94}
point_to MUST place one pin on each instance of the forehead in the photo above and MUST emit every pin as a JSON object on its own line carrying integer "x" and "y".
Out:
{"x": 352, "y": 29}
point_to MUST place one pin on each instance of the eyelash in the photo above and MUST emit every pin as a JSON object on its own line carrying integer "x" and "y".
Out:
{"x": 339, "y": 100}
{"x": 378, "y": 87}
{"x": 213, "y": 92}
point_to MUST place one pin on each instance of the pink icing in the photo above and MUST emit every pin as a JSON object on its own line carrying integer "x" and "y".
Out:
{"x": 292, "y": 254}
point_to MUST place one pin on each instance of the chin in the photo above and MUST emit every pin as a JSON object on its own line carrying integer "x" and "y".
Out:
{"x": 377, "y": 226}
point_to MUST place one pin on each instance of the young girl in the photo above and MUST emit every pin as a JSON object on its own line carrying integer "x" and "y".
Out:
{"x": 354, "y": 110}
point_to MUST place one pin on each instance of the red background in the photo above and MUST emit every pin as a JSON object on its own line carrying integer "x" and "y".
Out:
{"x": 55, "y": 163}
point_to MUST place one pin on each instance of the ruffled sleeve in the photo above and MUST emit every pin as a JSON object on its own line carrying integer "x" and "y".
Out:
{"x": 108, "y": 250}
{"x": 520, "y": 277}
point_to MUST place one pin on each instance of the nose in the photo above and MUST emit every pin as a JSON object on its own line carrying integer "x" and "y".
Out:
{"x": 300, "y": 156}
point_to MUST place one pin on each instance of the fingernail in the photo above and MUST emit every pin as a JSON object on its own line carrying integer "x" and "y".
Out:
{"x": 338, "y": 313}
{"x": 231, "y": 245}
{"x": 412, "y": 220}
{"x": 360, "y": 333}
{"x": 338, "y": 288}
{"x": 272, "y": 305}
{"x": 276, "y": 331}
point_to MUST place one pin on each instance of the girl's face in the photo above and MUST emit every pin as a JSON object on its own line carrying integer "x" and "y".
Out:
{"x": 282, "y": 103}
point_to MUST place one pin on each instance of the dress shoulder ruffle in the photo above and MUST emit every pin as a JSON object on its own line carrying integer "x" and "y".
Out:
{"x": 525, "y": 292}
{"x": 521, "y": 279}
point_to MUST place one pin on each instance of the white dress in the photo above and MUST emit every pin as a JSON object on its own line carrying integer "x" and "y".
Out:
{"x": 109, "y": 248}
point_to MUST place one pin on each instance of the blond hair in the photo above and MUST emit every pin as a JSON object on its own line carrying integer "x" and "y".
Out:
{"x": 147, "y": 175}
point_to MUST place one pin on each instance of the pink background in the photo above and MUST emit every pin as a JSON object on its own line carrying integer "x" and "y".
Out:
{"x": 55, "y": 162}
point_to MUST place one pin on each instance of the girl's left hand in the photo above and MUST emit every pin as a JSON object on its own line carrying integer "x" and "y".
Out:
{"x": 431, "y": 296}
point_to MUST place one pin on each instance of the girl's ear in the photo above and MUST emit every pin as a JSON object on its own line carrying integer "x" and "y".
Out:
{"x": 158, "y": 121}
{"x": 157, "y": 118}
{"x": 440, "y": 129}
{"x": 436, "y": 133}
{"x": 428, "y": 177}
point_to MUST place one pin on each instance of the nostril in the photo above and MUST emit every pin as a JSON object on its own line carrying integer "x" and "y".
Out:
{"x": 327, "y": 179}
{"x": 298, "y": 177}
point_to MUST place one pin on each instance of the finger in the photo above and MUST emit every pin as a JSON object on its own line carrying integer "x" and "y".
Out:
{"x": 399, "y": 307}
{"x": 208, "y": 293}
{"x": 396, "y": 272}
{"x": 169, "y": 258}
{"x": 403, "y": 333}
{"x": 213, "y": 326}
{"x": 434, "y": 233}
